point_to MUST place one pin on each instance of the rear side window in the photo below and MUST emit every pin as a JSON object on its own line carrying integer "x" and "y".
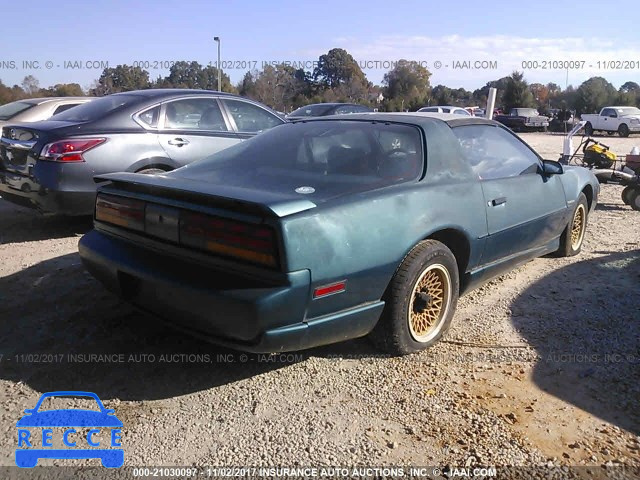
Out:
{"x": 14, "y": 108}
{"x": 251, "y": 118}
{"x": 194, "y": 114}
{"x": 97, "y": 109}
{"x": 495, "y": 153}
{"x": 63, "y": 108}
{"x": 150, "y": 116}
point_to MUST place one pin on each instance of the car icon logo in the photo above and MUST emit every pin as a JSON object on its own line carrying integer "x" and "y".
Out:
{"x": 77, "y": 445}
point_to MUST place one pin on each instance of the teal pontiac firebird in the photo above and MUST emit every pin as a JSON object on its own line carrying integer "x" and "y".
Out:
{"x": 328, "y": 229}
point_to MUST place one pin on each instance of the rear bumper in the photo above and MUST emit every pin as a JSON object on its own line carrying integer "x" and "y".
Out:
{"x": 222, "y": 307}
{"x": 24, "y": 190}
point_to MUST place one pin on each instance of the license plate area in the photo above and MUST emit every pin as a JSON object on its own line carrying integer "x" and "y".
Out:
{"x": 162, "y": 222}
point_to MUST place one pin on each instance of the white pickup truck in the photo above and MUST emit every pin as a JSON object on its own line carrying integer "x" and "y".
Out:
{"x": 624, "y": 120}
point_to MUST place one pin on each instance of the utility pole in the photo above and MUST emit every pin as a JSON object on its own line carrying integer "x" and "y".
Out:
{"x": 217, "y": 40}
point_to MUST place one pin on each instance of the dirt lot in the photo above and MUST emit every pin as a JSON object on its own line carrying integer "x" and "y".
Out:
{"x": 542, "y": 366}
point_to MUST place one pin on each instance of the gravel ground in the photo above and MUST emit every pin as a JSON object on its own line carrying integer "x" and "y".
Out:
{"x": 541, "y": 366}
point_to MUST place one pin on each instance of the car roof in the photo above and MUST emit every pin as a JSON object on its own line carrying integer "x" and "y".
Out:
{"x": 415, "y": 118}
{"x": 443, "y": 106}
{"x": 169, "y": 92}
{"x": 39, "y": 100}
{"x": 328, "y": 104}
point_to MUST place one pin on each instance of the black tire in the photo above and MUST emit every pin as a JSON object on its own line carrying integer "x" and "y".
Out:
{"x": 626, "y": 194}
{"x": 623, "y": 130}
{"x": 588, "y": 129}
{"x": 427, "y": 279}
{"x": 151, "y": 171}
{"x": 634, "y": 199}
{"x": 610, "y": 133}
{"x": 572, "y": 238}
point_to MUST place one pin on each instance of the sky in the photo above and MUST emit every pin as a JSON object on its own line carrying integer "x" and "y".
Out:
{"x": 463, "y": 44}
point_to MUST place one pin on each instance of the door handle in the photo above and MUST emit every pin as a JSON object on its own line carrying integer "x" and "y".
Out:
{"x": 497, "y": 201}
{"x": 178, "y": 142}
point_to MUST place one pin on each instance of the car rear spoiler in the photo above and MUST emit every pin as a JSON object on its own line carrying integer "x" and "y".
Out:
{"x": 225, "y": 196}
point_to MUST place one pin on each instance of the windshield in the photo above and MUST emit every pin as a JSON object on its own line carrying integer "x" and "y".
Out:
{"x": 97, "y": 108}
{"x": 311, "y": 111}
{"x": 12, "y": 109}
{"x": 628, "y": 111}
{"x": 319, "y": 160}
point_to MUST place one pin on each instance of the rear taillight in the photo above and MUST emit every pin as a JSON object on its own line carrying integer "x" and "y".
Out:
{"x": 254, "y": 243}
{"x": 229, "y": 238}
{"x": 69, "y": 150}
{"x": 121, "y": 211}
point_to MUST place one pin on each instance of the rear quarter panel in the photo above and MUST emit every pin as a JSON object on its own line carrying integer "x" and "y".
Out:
{"x": 122, "y": 152}
{"x": 365, "y": 240}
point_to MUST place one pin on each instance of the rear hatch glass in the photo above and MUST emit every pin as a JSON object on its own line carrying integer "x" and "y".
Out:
{"x": 319, "y": 159}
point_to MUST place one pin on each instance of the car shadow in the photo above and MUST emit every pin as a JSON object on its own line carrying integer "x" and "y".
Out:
{"x": 61, "y": 330}
{"x": 592, "y": 360}
{"x": 20, "y": 224}
{"x": 607, "y": 207}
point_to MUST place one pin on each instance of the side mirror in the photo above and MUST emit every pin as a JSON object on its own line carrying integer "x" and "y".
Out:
{"x": 551, "y": 167}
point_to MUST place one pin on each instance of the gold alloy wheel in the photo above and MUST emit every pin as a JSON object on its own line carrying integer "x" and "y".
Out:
{"x": 429, "y": 303}
{"x": 577, "y": 227}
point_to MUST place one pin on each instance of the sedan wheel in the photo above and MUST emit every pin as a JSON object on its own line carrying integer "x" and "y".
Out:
{"x": 420, "y": 301}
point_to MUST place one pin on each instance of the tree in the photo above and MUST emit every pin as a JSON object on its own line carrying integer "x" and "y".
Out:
{"x": 442, "y": 95}
{"x": 567, "y": 98}
{"x": 541, "y": 95}
{"x": 280, "y": 86}
{"x": 6, "y": 94}
{"x": 481, "y": 95}
{"x": 517, "y": 93}
{"x": 593, "y": 94}
{"x": 63, "y": 90}
{"x": 192, "y": 75}
{"x": 184, "y": 75}
{"x": 628, "y": 94}
{"x": 406, "y": 86}
{"x": 336, "y": 68}
{"x": 30, "y": 85}
{"x": 630, "y": 87}
{"x": 247, "y": 86}
{"x": 122, "y": 78}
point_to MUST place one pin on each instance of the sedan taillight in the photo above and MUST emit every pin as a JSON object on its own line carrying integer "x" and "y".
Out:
{"x": 69, "y": 150}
